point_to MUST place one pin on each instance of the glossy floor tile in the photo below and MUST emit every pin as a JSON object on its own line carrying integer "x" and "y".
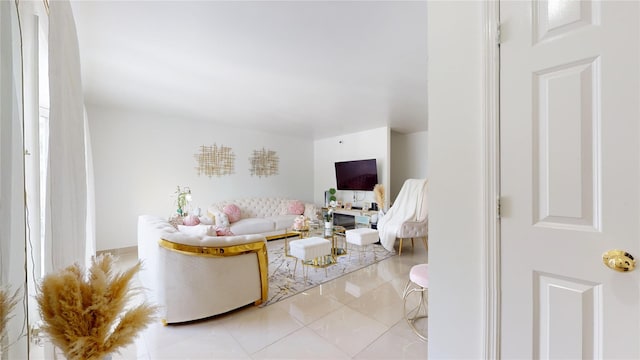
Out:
{"x": 356, "y": 316}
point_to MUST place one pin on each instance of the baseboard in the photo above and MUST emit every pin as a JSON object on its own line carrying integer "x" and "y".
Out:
{"x": 120, "y": 251}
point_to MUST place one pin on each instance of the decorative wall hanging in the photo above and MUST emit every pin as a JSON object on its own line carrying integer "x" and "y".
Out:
{"x": 214, "y": 160}
{"x": 264, "y": 163}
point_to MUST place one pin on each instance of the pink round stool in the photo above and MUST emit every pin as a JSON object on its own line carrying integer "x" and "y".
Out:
{"x": 419, "y": 275}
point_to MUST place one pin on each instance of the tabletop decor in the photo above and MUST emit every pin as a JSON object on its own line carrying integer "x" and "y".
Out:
{"x": 328, "y": 218}
{"x": 183, "y": 198}
{"x": 84, "y": 313}
{"x": 300, "y": 223}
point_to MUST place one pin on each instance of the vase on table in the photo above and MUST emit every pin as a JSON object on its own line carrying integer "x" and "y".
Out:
{"x": 328, "y": 224}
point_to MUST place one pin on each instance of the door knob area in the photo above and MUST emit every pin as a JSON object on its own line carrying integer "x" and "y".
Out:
{"x": 619, "y": 260}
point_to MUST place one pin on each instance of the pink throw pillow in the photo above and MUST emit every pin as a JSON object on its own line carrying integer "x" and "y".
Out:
{"x": 296, "y": 207}
{"x": 191, "y": 220}
{"x": 223, "y": 231}
{"x": 232, "y": 211}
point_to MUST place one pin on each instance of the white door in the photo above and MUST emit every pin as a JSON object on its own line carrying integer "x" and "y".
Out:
{"x": 570, "y": 160}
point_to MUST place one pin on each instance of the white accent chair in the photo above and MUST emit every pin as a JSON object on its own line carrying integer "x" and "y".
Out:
{"x": 413, "y": 230}
{"x": 193, "y": 277}
{"x": 408, "y": 217}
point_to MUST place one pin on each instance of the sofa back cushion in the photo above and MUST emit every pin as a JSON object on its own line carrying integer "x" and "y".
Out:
{"x": 255, "y": 207}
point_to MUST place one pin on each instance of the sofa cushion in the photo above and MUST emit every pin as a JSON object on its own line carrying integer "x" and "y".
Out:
{"x": 252, "y": 226}
{"x": 282, "y": 222}
{"x": 198, "y": 230}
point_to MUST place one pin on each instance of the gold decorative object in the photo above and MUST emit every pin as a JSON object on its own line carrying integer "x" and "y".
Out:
{"x": 84, "y": 314}
{"x": 264, "y": 163}
{"x": 214, "y": 160}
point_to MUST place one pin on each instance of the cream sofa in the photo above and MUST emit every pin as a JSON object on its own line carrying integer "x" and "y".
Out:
{"x": 197, "y": 276}
{"x": 267, "y": 216}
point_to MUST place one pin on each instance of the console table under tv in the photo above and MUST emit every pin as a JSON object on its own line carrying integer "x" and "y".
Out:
{"x": 346, "y": 217}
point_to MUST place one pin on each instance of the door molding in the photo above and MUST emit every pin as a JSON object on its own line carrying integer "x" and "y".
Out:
{"x": 491, "y": 187}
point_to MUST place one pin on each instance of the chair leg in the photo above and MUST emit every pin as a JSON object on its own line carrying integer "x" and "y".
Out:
{"x": 416, "y": 313}
{"x": 295, "y": 266}
{"x": 424, "y": 240}
{"x": 411, "y": 244}
{"x": 400, "y": 248}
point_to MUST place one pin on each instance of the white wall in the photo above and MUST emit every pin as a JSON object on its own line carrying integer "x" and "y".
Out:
{"x": 367, "y": 144}
{"x": 140, "y": 159}
{"x": 455, "y": 38}
{"x": 408, "y": 158}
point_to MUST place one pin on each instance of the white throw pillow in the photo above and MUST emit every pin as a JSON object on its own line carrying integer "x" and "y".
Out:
{"x": 222, "y": 220}
{"x": 205, "y": 220}
{"x": 198, "y": 230}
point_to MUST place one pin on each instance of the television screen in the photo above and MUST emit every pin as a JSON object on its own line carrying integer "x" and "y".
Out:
{"x": 356, "y": 175}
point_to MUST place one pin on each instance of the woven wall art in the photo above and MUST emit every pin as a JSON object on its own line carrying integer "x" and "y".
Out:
{"x": 264, "y": 162}
{"x": 214, "y": 160}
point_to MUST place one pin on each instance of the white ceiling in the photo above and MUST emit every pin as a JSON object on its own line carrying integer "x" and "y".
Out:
{"x": 305, "y": 68}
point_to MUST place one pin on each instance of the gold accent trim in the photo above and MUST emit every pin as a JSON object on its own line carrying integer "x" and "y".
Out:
{"x": 284, "y": 235}
{"x": 258, "y": 247}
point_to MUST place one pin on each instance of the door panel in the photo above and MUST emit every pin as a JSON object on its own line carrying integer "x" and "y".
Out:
{"x": 570, "y": 174}
{"x": 566, "y": 146}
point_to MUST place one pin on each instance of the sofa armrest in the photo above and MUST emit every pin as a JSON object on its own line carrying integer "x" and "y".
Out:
{"x": 311, "y": 211}
{"x": 222, "y": 246}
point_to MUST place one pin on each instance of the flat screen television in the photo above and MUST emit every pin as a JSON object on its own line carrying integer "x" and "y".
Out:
{"x": 356, "y": 175}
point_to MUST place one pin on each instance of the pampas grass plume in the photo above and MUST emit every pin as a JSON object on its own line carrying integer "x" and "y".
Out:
{"x": 7, "y": 303}
{"x": 378, "y": 192}
{"x": 83, "y": 313}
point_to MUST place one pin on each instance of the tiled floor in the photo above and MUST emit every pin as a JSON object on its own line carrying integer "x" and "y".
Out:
{"x": 357, "y": 316}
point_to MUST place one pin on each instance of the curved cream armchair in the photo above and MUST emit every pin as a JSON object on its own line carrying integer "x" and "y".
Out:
{"x": 194, "y": 277}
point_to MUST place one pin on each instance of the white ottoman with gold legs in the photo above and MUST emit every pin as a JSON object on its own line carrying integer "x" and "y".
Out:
{"x": 418, "y": 283}
{"x": 362, "y": 237}
{"x": 313, "y": 251}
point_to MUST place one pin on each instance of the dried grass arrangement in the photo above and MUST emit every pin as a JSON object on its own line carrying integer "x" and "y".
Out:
{"x": 7, "y": 303}
{"x": 378, "y": 192}
{"x": 83, "y": 313}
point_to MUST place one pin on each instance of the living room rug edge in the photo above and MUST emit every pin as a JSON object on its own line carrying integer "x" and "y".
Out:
{"x": 282, "y": 285}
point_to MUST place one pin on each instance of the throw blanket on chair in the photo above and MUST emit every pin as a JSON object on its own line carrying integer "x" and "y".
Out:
{"x": 410, "y": 205}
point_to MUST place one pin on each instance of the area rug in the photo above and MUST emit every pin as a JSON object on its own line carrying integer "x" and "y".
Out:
{"x": 282, "y": 285}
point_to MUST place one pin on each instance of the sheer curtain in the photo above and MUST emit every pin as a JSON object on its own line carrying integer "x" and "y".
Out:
{"x": 70, "y": 234}
{"x": 12, "y": 217}
{"x": 67, "y": 179}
